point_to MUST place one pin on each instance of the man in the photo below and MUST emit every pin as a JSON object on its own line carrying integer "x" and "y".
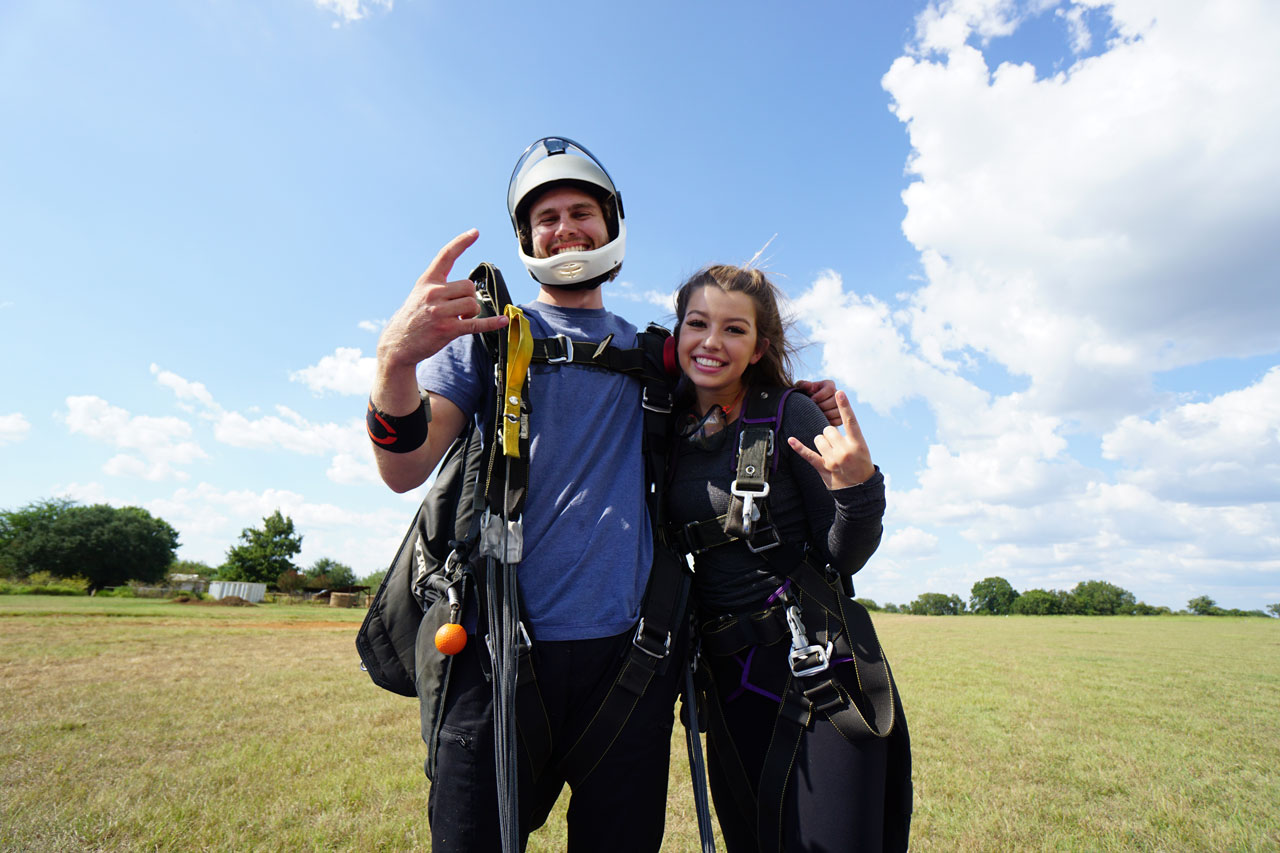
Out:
{"x": 587, "y": 537}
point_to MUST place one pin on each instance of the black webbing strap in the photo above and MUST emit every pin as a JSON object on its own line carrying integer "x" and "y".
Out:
{"x": 666, "y": 598}
{"x": 725, "y": 755}
{"x": 531, "y": 714}
{"x": 695, "y": 537}
{"x": 794, "y": 715}
{"x": 729, "y": 635}
{"x": 697, "y": 765}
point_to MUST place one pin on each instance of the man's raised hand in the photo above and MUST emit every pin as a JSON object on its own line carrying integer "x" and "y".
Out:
{"x": 436, "y": 311}
{"x": 842, "y": 459}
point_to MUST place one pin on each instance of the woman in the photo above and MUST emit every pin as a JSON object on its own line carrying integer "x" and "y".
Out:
{"x": 808, "y": 747}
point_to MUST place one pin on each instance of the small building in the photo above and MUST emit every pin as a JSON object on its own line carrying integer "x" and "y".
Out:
{"x": 253, "y": 592}
{"x": 188, "y": 583}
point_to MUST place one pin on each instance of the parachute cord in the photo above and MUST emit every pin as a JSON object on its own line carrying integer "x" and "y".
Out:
{"x": 504, "y": 622}
{"x": 697, "y": 766}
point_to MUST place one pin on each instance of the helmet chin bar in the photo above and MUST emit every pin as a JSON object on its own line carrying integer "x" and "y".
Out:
{"x": 578, "y": 270}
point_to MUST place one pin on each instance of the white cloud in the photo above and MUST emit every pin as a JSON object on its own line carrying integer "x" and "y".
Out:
{"x": 84, "y": 493}
{"x": 352, "y": 10}
{"x": 286, "y": 429}
{"x": 1071, "y": 227}
{"x": 1224, "y": 451}
{"x": 375, "y": 326}
{"x": 909, "y": 542}
{"x": 13, "y": 428}
{"x": 154, "y": 448}
{"x": 1080, "y": 231}
{"x": 353, "y": 468}
{"x": 185, "y": 390}
{"x": 664, "y": 299}
{"x": 347, "y": 371}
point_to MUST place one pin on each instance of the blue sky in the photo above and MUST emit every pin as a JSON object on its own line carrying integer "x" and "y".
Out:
{"x": 1035, "y": 242}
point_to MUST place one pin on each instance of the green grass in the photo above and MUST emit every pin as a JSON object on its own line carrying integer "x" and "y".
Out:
{"x": 135, "y": 724}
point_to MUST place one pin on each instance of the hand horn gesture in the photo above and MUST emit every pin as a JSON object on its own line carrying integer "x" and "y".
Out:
{"x": 842, "y": 459}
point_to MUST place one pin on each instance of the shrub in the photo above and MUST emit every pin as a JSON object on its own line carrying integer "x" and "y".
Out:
{"x": 1037, "y": 602}
{"x": 937, "y": 604}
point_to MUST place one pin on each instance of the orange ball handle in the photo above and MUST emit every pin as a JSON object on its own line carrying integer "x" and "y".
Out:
{"x": 451, "y": 638}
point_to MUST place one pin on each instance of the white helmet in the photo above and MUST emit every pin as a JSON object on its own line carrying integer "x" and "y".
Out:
{"x": 556, "y": 160}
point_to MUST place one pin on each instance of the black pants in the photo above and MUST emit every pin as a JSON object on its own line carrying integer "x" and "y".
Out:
{"x": 840, "y": 796}
{"x": 620, "y": 806}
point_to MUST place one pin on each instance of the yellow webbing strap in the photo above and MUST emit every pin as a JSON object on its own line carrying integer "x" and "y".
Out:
{"x": 519, "y": 355}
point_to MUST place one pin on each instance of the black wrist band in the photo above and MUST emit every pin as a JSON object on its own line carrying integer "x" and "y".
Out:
{"x": 397, "y": 435}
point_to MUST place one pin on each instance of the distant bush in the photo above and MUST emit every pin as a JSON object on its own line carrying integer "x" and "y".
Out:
{"x": 867, "y": 603}
{"x": 1144, "y": 609}
{"x": 119, "y": 592}
{"x": 7, "y": 588}
{"x": 43, "y": 583}
{"x": 1037, "y": 602}
{"x": 937, "y": 604}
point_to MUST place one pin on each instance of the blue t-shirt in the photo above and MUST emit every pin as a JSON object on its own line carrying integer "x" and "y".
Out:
{"x": 588, "y": 545}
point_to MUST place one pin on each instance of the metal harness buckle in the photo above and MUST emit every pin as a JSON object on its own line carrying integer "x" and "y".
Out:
{"x": 635, "y": 641}
{"x": 749, "y": 511}
{"x": 566, "y": 346}
{"x": 523, "y": 642}
{"x": 802, "y": 649}
{"x": 662, "y": 407}
{"x": 777, "y": 540}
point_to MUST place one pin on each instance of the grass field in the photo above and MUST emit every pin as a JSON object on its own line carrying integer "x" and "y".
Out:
{"x": 128, "y": 724}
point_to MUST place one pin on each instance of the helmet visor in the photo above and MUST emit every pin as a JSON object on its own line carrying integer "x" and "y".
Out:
{"x": 532, "y": 170}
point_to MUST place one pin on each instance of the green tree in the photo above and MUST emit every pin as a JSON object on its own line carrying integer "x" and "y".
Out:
{"x": 868, "y": 603}
{"x": 27, "y": 541}
{"x": 1099, "y": 598}
{"x": 993, "y": 595}
{"x": 290, "y": 581}
{"x": 1274, "y": 609}
{"x": 373, "y": 580}
{"x": 327, "y": 574}
{"x": 937, "y": 604}
{"x": 1144, "y": 609}
{"x": 106, "y": 545}
{"x": 264, "y": 553}
{"x": 192, "y": 567}
{"x": 1037, "y": 602}
{"x": 1203, "y": 605}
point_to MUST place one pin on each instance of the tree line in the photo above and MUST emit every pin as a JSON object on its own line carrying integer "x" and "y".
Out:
{"x": 995, "y": 596}
{"x": 108, "y": 546}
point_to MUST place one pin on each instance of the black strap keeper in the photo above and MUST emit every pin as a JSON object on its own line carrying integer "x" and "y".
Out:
{"x": 398, "y": 434}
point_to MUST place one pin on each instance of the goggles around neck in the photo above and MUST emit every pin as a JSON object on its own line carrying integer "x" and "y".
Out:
{"x": 707, "y": 432}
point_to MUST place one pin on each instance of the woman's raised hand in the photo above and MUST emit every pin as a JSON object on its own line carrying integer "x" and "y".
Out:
{"x": 842, "y": 459}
